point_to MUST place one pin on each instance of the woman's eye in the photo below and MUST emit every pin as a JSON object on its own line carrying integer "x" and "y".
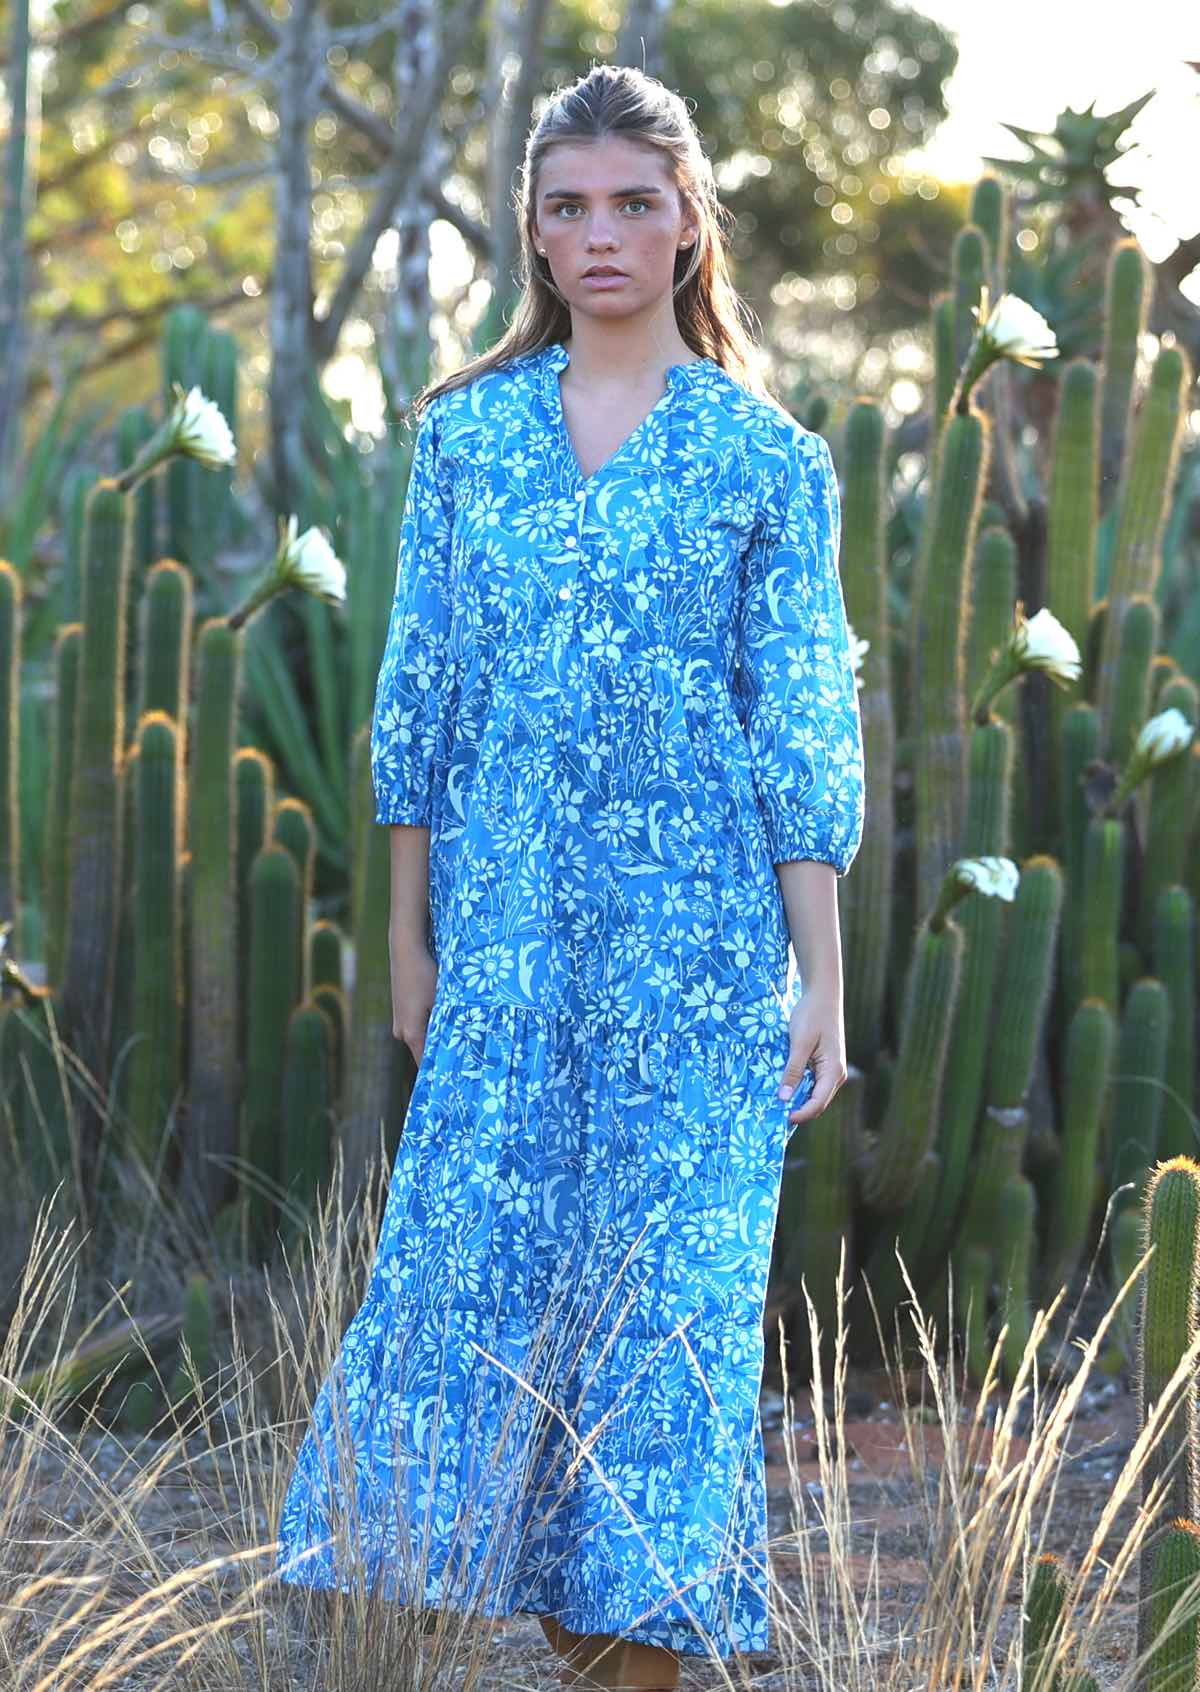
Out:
{"x": 567, "y": 206}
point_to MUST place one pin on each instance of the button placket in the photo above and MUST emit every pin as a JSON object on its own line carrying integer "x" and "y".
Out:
{"x": 573, "y": 549}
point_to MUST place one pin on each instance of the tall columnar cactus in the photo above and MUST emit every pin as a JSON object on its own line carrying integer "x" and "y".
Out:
{"x": 1079, "y": 744}
{"x": 1072, "y": 513}
{"x": 828, "y": 1202}
{"x": 1126, "y": 310}
{"x": 1046, "y": 1598}
{"x": 1025, "y": 981}
{"x": 67, "y": 648}
{"x": 166, "y": 630}
{"x": 1103, "y": 871}
{"x": 1171, "y": 1223}
{"x": 253, "y": 800}
{"x": 197, "y": 497}
{"x": 10, "y": 820}
{"x": 155, "y": 1061}
{"x": 307, "y": 1105}
{"x": 335, "y": 1003}
{"x": 121, "y": 1028}
{"x": 215, "y": 492}
{"x": 271, "y": 998}
{"x": 1175, "y": 1590}
{"x": 1138, "y": 1086}
{"x": 977, "y": 1250}
{"x": 95, "y": 826}
{"x": 213, "y": 1004}
{"x": 892, "y": 1159}
{"x": 135, "y": 426}
{"x": 1090, "y": 1039}
{"x": 368, "y": 1097}
{"x": 989, "y": 784}
{"x": 1175, "y": 965}
{"x": 868, "y": 907}
{"x": 1168, "y": 837}
{"x": 292, "y": 827}
{"x": 938, "y": 637}
{"x": 1131, "y": 684}
{"x": 1142, "y": 513}
{"x": 326, "y": 945}
{"x": 1016, "y": 1220}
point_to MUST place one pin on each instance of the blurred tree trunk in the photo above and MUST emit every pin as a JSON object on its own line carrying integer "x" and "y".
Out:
{"x": 301, "y": 342}
{"x": 514, "y": 69}
{"x": 300, "y": 59}
{"x": 18, "y": 196}
{"x": 402, "y": 330}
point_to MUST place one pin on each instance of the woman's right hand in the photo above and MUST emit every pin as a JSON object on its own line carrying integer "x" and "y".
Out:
{"x": 414, "y": 984}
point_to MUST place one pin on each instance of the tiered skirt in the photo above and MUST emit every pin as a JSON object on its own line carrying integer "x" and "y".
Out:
{"x": 548, "y": 1399}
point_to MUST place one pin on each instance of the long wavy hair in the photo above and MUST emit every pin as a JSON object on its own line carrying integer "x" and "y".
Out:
{"x": 623, "y": 101}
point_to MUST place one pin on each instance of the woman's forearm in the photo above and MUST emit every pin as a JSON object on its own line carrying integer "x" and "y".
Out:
{"x": 409, "y": 920}
{"x": 810, "y": 900}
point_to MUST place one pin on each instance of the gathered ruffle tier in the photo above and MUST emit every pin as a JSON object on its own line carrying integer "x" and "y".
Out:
{"x": 548, "y": 1400}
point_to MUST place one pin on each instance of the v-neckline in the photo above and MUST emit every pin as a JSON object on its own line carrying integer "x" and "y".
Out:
{"x": 558, "y": 357}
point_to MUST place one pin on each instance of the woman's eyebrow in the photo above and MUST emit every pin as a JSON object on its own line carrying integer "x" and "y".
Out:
{"x": 578, "y": 194}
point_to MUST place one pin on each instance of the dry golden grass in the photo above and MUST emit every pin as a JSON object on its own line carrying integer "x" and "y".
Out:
{"x": 146, "y": 1560}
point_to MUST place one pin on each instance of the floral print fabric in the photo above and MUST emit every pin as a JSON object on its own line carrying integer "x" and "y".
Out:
{"x": 616, "y": 701}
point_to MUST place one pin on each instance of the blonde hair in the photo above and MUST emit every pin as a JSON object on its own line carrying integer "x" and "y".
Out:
{"x": 623, "y": 101}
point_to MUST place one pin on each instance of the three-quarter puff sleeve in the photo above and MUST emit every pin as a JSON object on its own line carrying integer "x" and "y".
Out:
{"x": 408, "y": 725}
{"x": 795, "y": 685}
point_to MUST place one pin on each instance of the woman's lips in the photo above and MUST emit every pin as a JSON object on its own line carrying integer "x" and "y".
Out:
{"x": 606, "y": 279}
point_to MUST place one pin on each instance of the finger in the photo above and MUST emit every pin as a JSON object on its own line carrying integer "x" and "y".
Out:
{"x": 822, "y": 1093}
{"x": 793, "y": 1077}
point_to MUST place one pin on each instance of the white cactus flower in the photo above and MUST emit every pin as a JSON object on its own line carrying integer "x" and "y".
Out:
{"x": 1163, "y": 736}
{"x": 858, "y": 651}
{"x": 198, "y": 428}
{"x": 309, "y": 562}
{"x": 997, "y": 877}
{"x": 1017, "y": 330}
{"x": 1042, "y": 643}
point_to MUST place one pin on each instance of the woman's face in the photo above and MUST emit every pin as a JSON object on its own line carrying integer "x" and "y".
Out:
{"x": 610, "y": 202}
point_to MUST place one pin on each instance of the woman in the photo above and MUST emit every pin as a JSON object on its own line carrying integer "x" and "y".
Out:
{"x": 616, "y": 739}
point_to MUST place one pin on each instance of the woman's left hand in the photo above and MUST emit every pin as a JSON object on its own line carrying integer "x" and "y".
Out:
{"x": 817, "y": 1034}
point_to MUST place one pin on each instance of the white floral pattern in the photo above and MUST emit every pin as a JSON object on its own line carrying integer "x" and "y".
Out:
{"x": 616, "y": 701}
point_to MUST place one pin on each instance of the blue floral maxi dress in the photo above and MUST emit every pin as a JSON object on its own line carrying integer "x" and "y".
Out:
{"x": 617, "y": 701}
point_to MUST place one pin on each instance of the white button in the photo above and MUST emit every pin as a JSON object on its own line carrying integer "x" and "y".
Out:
{"x": 570, "y": 541}
{"x": 564, "y": 592}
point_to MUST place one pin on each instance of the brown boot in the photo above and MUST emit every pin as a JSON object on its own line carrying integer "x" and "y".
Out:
{"x": 604, "y": 1662}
